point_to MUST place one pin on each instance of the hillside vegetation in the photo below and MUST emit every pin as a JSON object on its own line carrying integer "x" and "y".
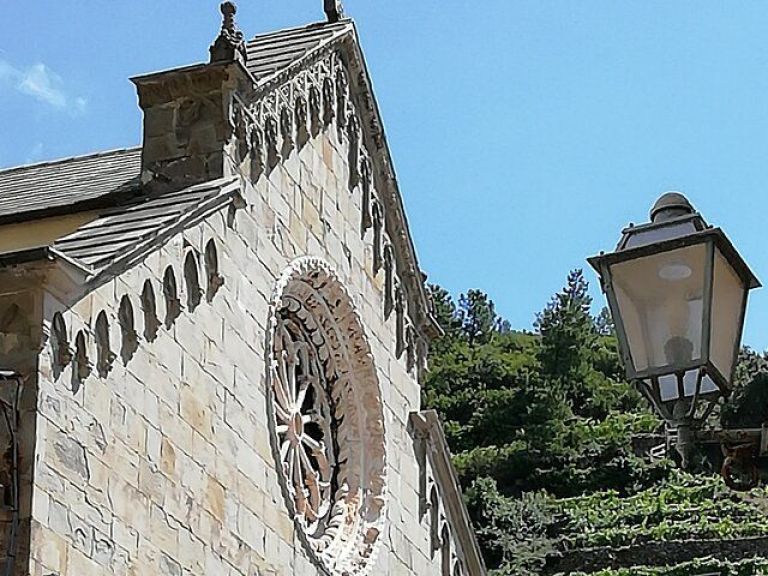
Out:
{"x": 541, "y": 426}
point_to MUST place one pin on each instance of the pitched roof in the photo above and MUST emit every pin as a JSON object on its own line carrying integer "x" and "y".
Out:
{"x": 273, "y": 52}
{"x": 69, "y": 184}
{"x": 120, "y": 230}
{"x": 84, "y": 182}
{"x": 110, "y": 181}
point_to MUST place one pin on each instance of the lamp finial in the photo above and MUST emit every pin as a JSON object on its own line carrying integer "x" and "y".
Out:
{"x": 671, "y": 205}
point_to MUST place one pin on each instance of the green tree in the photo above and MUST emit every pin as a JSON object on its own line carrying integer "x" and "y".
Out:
{"x": 567, "y": 331}
{"x": 529, "y": 412}
{"x": 478, "y": 318}
{"x": 511, "y": 531}
{"x": 444, "y": 309}
{"x": 604, "y": 323}
{"x": 575, "y": 358}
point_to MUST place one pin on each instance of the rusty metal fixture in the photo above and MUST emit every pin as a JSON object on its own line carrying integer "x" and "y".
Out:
{"x": 741, "y": 449}
{"x": 739, "y": 467}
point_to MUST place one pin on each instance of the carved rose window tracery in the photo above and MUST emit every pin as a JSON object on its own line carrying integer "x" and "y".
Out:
{"x": 303, "y": 412}
{"x": 327, "y": 418}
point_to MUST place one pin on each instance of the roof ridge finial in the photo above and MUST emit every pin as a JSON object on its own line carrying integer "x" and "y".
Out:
{"x": 229, "y": 45}
{"x": 228, "y": 11}
{"x": 334, "y": 10}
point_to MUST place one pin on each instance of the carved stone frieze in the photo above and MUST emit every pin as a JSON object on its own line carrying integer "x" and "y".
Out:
{"x": 389, "y": 280}
{"x": 270, "y": 133}
{"x": 410, "y": 347}
{"x": 342, "y": 91}
{"x": 366, "y": 177}
{"x": 241, "y": 125}
{"x": 302, "y": 116}
{"x": 399, "y": 320}
{"x": 257, "y": 152}
{"x": 281, "y": 120}
{"x": 328, "y": 110}
{"x": 286, "y": 132}
{"x": 378, "y": 229}
{"x": 315, "y": 113}
{"x": 353, "y": 136}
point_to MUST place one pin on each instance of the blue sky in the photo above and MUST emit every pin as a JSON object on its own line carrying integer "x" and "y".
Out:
{"x": 525, "y": 133}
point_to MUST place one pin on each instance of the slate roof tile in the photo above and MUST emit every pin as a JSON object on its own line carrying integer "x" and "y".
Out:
{"x": 29, "y": 191}
{"x": 270, "y": 53}
{"x": 123, "y": 227}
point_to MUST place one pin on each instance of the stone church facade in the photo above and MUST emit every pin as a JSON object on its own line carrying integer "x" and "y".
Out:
{"x": 211, "y": 346}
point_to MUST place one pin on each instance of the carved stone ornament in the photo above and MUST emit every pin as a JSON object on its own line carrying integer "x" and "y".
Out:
{"x": 279, "y": 120}
{"x": 353, "y": 158}
{"x": 329, "y": 113}
{"x": 315, "y": 113}
{"x": 257, "y": 152}
{"x": 241, "y": 126}
{"x": 270, "y": 134}
{"x": 366, "y": 177}
{"x": 229, "y": 45}
{"x": 342, "y": 88}
{"x": 334, "y": 10}
{"x": 327, "y": 420}
{"x": 301, "y": 113}
{"x": 286, "y": 131}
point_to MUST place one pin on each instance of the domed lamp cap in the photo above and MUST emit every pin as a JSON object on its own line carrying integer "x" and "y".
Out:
{"x": 671, "y": 205}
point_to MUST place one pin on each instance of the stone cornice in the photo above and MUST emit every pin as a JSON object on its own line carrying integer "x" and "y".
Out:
{"x": 373, "y": 129}
{"x": 426, "y": 425}
{"x": 169, "y": 85}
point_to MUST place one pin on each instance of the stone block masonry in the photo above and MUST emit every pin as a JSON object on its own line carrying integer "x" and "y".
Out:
{"x": 163, "y": 464}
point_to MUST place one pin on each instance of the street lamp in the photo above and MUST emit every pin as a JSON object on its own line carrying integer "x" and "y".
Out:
{"x": 677, "y": 290}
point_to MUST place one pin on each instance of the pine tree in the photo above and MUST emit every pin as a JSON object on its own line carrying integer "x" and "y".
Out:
{"x": 567, "y": 331}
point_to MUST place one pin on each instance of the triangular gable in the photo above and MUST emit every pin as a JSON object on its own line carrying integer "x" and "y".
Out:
{"x": 292, "y": 85}
{"x": 306, "y": 79}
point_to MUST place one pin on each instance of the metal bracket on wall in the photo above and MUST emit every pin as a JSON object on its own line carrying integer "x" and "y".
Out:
{"x": 741, "y": 448}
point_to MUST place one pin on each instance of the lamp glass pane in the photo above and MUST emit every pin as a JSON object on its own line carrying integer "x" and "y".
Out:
{"x": 668, "y": 388}
{"x": 660, "y": 300}
{"x": 728, "y": 293}
{"x": 655, "y": 234}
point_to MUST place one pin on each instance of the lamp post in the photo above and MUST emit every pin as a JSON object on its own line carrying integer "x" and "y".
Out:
{"x": 677, "y": 290}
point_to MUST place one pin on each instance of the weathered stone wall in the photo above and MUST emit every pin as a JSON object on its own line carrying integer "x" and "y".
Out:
{"x": 163, "y": 464}
{"x": 20, "y": 335}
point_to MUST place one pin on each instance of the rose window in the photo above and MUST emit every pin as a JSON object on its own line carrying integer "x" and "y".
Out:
{"x": 304, "y": 419}
{"x": 327, "y": 418}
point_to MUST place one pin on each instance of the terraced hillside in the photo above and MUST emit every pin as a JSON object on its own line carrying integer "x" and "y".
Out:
{"x": 547, "y": 436}
{"x": 685, "y": 525}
